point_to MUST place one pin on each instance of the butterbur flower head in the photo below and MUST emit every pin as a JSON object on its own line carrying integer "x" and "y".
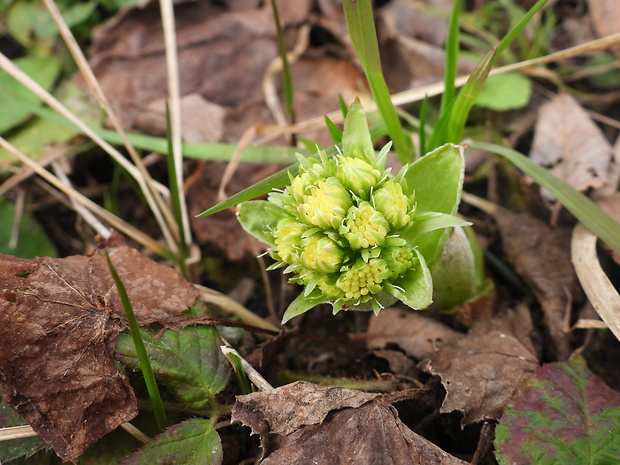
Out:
{"x": 326, "y": 204}
{"x": 349, "y": 232}
{"x": 363, "y": 280}
{"x": 322, "y": 254}
{"x": 395, "y": 206}
{"x": 287, "y": 238}
{"x": 364, "y": 227}
{"x": 357, "y": 175}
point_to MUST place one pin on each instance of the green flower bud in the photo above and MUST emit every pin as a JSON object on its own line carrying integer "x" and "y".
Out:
{"x": 357, "y": 175}
{"x": 287, "y": 237}
{"x": 393, "y": 203}
{"x": 362, "y": 280}
{"x": 364, "y": 227}
{"x": 326, "y": 205}
{"x": 399, "y": 260}
{"x": 322, "y": 254}
{"x": 327, "y": 285}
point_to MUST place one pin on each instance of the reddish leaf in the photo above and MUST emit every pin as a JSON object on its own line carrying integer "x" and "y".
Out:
{"x": 562, "y": 415}
{"x": 302, "y": 423}
{"x": 59, "y": 320}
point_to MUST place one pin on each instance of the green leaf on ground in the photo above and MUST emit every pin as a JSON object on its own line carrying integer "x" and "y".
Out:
{"x": 43, "y": 70}
{"x": 190, "y": 442}
{"x": 188, "y": 362}
{"x": 563, "y": 415}
{"x": 503, "y": 92}
{"x": 32, "y": 240}
{"x": 16, "y": 448}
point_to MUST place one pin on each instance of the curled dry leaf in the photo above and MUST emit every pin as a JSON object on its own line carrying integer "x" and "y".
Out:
{"x": 418, "y": 336}
{"x": 541, "y": 256}
{"x": 59, "y": 319}
{"x": 571, "y": 146}
{"x": 606, "y": 19}
{"x": 303, "y": 423}
{"x": 482, "y": 370}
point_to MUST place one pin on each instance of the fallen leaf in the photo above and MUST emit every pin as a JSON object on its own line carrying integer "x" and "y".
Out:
{"x": 541, "y": 256}
{"x": 418, "y": 336}
{"x": 481, "y": 371}
{"x": 201, "y": 120}
{"x": 302, "y": 423}
{"x": 69, "y": 310}
{"x": 224, "y": 53}
{"x": 571, "y": 146}
{"x": 563, "y": 414}
{"x": 223, "y": 228}
{"x": 606, "y": 19}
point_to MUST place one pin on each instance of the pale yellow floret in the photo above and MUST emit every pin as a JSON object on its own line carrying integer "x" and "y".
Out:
{"x": 362, "y": 279}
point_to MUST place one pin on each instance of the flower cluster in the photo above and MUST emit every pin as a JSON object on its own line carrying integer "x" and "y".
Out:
{"x": 346, "y": 229}
{"x": 340, "y": 226}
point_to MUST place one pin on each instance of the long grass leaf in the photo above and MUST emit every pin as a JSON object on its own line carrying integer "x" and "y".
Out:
{"x": 175, "y": 196}
{"x": 452, "y": 58}
{"x": 275, "y": 181}
{"x": 361, "y": 26}
{"x": 287, "y": 81}
{"x": 516, "y": 30}
{"x": 145, "y": 364}
{"x": 586, "y": 211}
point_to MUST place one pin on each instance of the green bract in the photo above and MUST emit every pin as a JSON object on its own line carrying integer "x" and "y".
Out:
{"x": 355, "y": 236}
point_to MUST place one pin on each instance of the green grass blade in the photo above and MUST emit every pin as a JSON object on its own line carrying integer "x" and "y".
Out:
{"x": 334, "y": 131}
{"x": 586, "y": 211}
{"x": 468, "y": 96}
{"x": 422, "y": 128}
{"x": 275, "y": 181}
{"x": 287, "y": 81}
{"x": 450, "y": 126}
{"x": 361, "y": 26}
{"x": 145, "y": 364}
{"x": 516, "y": 30}
{"x": 452, "y": 58}
{"x": 175, "y": 196}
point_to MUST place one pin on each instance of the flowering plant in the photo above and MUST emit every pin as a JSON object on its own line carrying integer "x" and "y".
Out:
{"x": 352, "y": 234}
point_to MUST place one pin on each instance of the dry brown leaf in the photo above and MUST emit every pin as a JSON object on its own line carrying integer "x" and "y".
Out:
{"x": 223, "y": 55}
{"x": 571, "y": 146}
{"x": 481, "y": 371}
{"x": 541, "y": 256}
{"x": 223, "y": 228}
{"x": 202, "y": 121}
{"x": 606, "y": 19}
{"x": 303, "y": 423}
{"x": 418, "y": 336}
{"x": 59, "y": 319}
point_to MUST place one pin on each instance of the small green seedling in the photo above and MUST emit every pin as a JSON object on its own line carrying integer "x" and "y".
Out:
{"x": 352, "y": 234}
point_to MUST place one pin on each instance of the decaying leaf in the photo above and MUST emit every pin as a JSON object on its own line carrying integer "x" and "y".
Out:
{"x": 563, "y": 414}
{"x": 571, "y": 146}
{"x": 303, "y": 423}
{"x": 418, "y": 336}
{"x": 59, "y": 319}
{"x": 482, "y": 370}
{"x": 606, "y": 19}
{"x": 541, "y": 256}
